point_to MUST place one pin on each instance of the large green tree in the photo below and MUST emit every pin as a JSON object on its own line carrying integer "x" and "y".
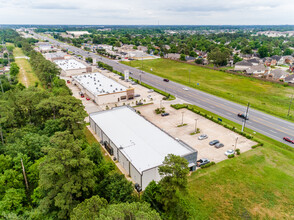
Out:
{"x": 89, "y": 209}
{"x": 219, "y": 57}
{"x": 66, "y": 175}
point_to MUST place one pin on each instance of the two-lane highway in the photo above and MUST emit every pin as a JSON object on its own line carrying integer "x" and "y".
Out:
{"x": 263, "y": 123}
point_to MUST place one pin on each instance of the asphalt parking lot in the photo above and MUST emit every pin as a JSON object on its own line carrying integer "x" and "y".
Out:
{"x": 213, "y": 130}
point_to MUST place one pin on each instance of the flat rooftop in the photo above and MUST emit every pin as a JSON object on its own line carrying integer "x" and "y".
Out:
{"x": 99, "y": 84}
{"x": 70, "y": 64}
{"x": 54, "y": 55}
{"x": 141, "y": 142}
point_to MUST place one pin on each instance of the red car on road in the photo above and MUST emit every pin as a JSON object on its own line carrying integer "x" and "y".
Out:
{"x": 88, "y": 98}
{"x": 289, "y": 139}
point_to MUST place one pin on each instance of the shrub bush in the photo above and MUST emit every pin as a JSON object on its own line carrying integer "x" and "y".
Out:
{"x": 208, "y": 165}
{"x": 231, "y": 156}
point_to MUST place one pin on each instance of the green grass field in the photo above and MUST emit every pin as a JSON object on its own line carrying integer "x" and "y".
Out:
{"x": 26, "y": 74}
{"x": 258, "y": 184}
{"x": 268, "y": 97}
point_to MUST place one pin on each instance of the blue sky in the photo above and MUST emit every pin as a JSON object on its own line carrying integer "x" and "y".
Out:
{"x": 150, "y": 12}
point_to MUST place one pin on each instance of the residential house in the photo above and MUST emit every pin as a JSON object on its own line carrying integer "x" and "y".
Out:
{"x": 288, "y": 59}
{"x": 254, "y": 61}
{"x": 173, "y": 56}
{"x": 279, "y": 60}
{"x": 242, "y": 65}
{"x": 142, "y": 48}
{"x": 167, "y": 47}
{"x": 277, "y": 74}
{"x": 291, "y": 68}
{"x": 289, "y": 79}
{"x": 190, "y": 59}
{"x": 258, "y": 70}
{"x": 268, "y": 61}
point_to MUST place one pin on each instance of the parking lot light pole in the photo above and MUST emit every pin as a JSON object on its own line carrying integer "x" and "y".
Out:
{"x": 196, "y": 125}
{"x": 183, "y": 118}
{"x": 236, "y": 144}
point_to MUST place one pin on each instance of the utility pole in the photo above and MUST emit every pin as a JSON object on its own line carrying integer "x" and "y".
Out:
{"x": 245, "y": 119}
{"x": 290, "y": 105}
{"x": 196, "y": 126}
{"x": 24, "y": 174}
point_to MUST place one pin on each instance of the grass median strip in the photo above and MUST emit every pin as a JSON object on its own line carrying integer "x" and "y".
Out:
{"x": 269, "y": 97}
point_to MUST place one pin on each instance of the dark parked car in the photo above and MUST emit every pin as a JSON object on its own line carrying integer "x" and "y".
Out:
{"x": 289, "y": 139}
{"x": 164, "y": 114}
{"x": 241, "y": 115}
{"x": 166, "y": 80}
{"x": 202, "y": 162}
{"x": 139, "y": 103}
{"x": 213, "y": 142}
{"x": 137, "y": 95}
{"x": 218, "y": 145}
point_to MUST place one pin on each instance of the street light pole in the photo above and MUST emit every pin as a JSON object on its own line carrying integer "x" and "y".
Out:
{"x": 290, "y": 105}
{"x": 245, "y": 119}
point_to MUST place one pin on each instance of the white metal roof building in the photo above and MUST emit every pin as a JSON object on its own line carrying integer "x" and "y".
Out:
{"x": 71, "y": 67}
{"x": 102, "y": 89}
{"x": 70, "y": 64}
{"x": 139, "y": 146}
{"x": 98, "y": 84}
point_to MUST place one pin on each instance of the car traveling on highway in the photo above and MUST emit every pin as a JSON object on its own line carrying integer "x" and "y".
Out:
{"x": 241, "y": 115}
{"x": 213, "y": 142}
{"x": 166, "y": 80}
{"x": 186, "y": 89}
{"x": 291, "y": 140}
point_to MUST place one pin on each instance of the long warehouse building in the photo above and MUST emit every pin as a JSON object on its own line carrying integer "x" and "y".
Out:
{"x": 137, "y": 144}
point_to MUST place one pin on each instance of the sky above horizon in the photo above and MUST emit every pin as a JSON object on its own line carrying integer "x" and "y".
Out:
{"x": 150, "y": 12}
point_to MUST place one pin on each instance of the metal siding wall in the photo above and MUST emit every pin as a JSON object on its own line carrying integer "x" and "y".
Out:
{"x": 150, "y": 175}
{"x": 114, "y": 149}
{"x": 135, "y": 175}
{"x": 104, "y": 137}
{"x": 124, "y": 162}
{"x": 98, "y": 132}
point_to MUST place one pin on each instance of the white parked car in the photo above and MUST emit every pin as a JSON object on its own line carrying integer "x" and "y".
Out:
{"x": 229, "y": 152}
{"x": 186, "y": 89}
{"x": 202, "y": 137}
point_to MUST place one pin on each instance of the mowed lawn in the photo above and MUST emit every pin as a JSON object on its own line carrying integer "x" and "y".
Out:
{"x": 258, "y": 184}
{"x": 26, "y": 74}
{"x": 269, "y": 97}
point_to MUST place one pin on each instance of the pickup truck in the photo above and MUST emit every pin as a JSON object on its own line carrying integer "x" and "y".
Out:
{"x": 202, "y": 162}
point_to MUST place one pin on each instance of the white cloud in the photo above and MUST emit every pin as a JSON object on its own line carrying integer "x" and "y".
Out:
{"x": 191, "y": 12}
